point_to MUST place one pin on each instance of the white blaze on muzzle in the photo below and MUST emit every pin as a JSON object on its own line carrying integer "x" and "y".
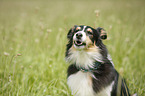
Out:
{"x": 82, "y": 37}
{"x": 79, "y": 39}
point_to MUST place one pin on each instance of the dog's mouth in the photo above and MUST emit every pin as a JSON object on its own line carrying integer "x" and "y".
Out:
{"x": 79, "y": 43}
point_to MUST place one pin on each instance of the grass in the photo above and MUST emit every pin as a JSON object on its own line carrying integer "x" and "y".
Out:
{"x": 33, "y": 39}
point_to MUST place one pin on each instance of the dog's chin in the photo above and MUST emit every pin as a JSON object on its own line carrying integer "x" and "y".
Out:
{"x": 79, "y": 44}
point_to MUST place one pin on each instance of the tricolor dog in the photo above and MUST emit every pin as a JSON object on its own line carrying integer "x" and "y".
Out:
{"x": 91, "y": 71}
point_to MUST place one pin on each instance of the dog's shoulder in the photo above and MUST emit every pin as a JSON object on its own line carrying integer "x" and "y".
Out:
{"x": 72, "y": 69}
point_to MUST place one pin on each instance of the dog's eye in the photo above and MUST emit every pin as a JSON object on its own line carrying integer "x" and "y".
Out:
{"x": 89, "y": 31}
{"x": 78, "y": 28}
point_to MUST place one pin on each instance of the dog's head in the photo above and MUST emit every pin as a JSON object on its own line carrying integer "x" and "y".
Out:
{"x": 85, "y": 45}
{"x": 84, "y": 37}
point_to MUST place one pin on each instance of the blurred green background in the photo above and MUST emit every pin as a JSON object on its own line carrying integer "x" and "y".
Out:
{"x": 33, "y": 39}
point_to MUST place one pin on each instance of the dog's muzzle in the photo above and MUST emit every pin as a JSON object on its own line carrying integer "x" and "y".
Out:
{"x": 79, "y": 39}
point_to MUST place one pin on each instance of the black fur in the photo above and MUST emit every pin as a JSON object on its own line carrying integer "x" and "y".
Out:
{"x": 105, "y": 75}
{"x": 72, "y": 69}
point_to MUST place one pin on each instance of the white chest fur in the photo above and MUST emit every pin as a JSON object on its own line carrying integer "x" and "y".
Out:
{"x": 81, "y": 84}
{"x": 83, "y": 58}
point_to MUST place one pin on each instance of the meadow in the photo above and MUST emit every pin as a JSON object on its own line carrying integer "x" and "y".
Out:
{"x": 33, "y": 41}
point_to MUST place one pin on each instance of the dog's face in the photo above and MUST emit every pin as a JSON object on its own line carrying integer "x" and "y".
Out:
{"x": 85, "y": 45}
{"x": 84, "y": 37}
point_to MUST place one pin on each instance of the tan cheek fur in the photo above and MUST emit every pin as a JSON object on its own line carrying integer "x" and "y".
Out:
{"x": 90, "y": 79}
{"x": 91, "y": 47}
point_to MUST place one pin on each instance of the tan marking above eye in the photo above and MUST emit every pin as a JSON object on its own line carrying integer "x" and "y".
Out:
{"x": 89, "y": 30}
{"x": 78, "y": 28}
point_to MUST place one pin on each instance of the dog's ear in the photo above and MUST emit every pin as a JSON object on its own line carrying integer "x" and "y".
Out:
{"x": 69, "y": 34}
{"x": 71, "y": 31}
{"x": 102, "y": 32}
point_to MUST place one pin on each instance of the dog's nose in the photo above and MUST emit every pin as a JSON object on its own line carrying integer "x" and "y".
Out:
{"x": 79, "y": 35}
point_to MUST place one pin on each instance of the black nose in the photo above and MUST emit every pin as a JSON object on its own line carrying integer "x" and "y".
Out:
{"x": 79, "y": 35}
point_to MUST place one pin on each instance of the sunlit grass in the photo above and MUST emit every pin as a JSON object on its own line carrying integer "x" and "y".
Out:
{"x": 33, "y": 39}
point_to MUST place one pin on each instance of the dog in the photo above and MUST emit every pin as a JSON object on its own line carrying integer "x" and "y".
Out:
{"x": 91, "y": 71}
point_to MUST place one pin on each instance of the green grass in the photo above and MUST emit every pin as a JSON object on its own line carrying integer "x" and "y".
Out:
{"x": 33, "y": 39}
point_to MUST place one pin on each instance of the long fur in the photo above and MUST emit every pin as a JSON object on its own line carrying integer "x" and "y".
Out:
{"x": 102, "y": 81}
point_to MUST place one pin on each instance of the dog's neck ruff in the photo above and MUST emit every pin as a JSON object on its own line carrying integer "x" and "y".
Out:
{"x": 84, "y": 59}
{"x": 95, "y": 67}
